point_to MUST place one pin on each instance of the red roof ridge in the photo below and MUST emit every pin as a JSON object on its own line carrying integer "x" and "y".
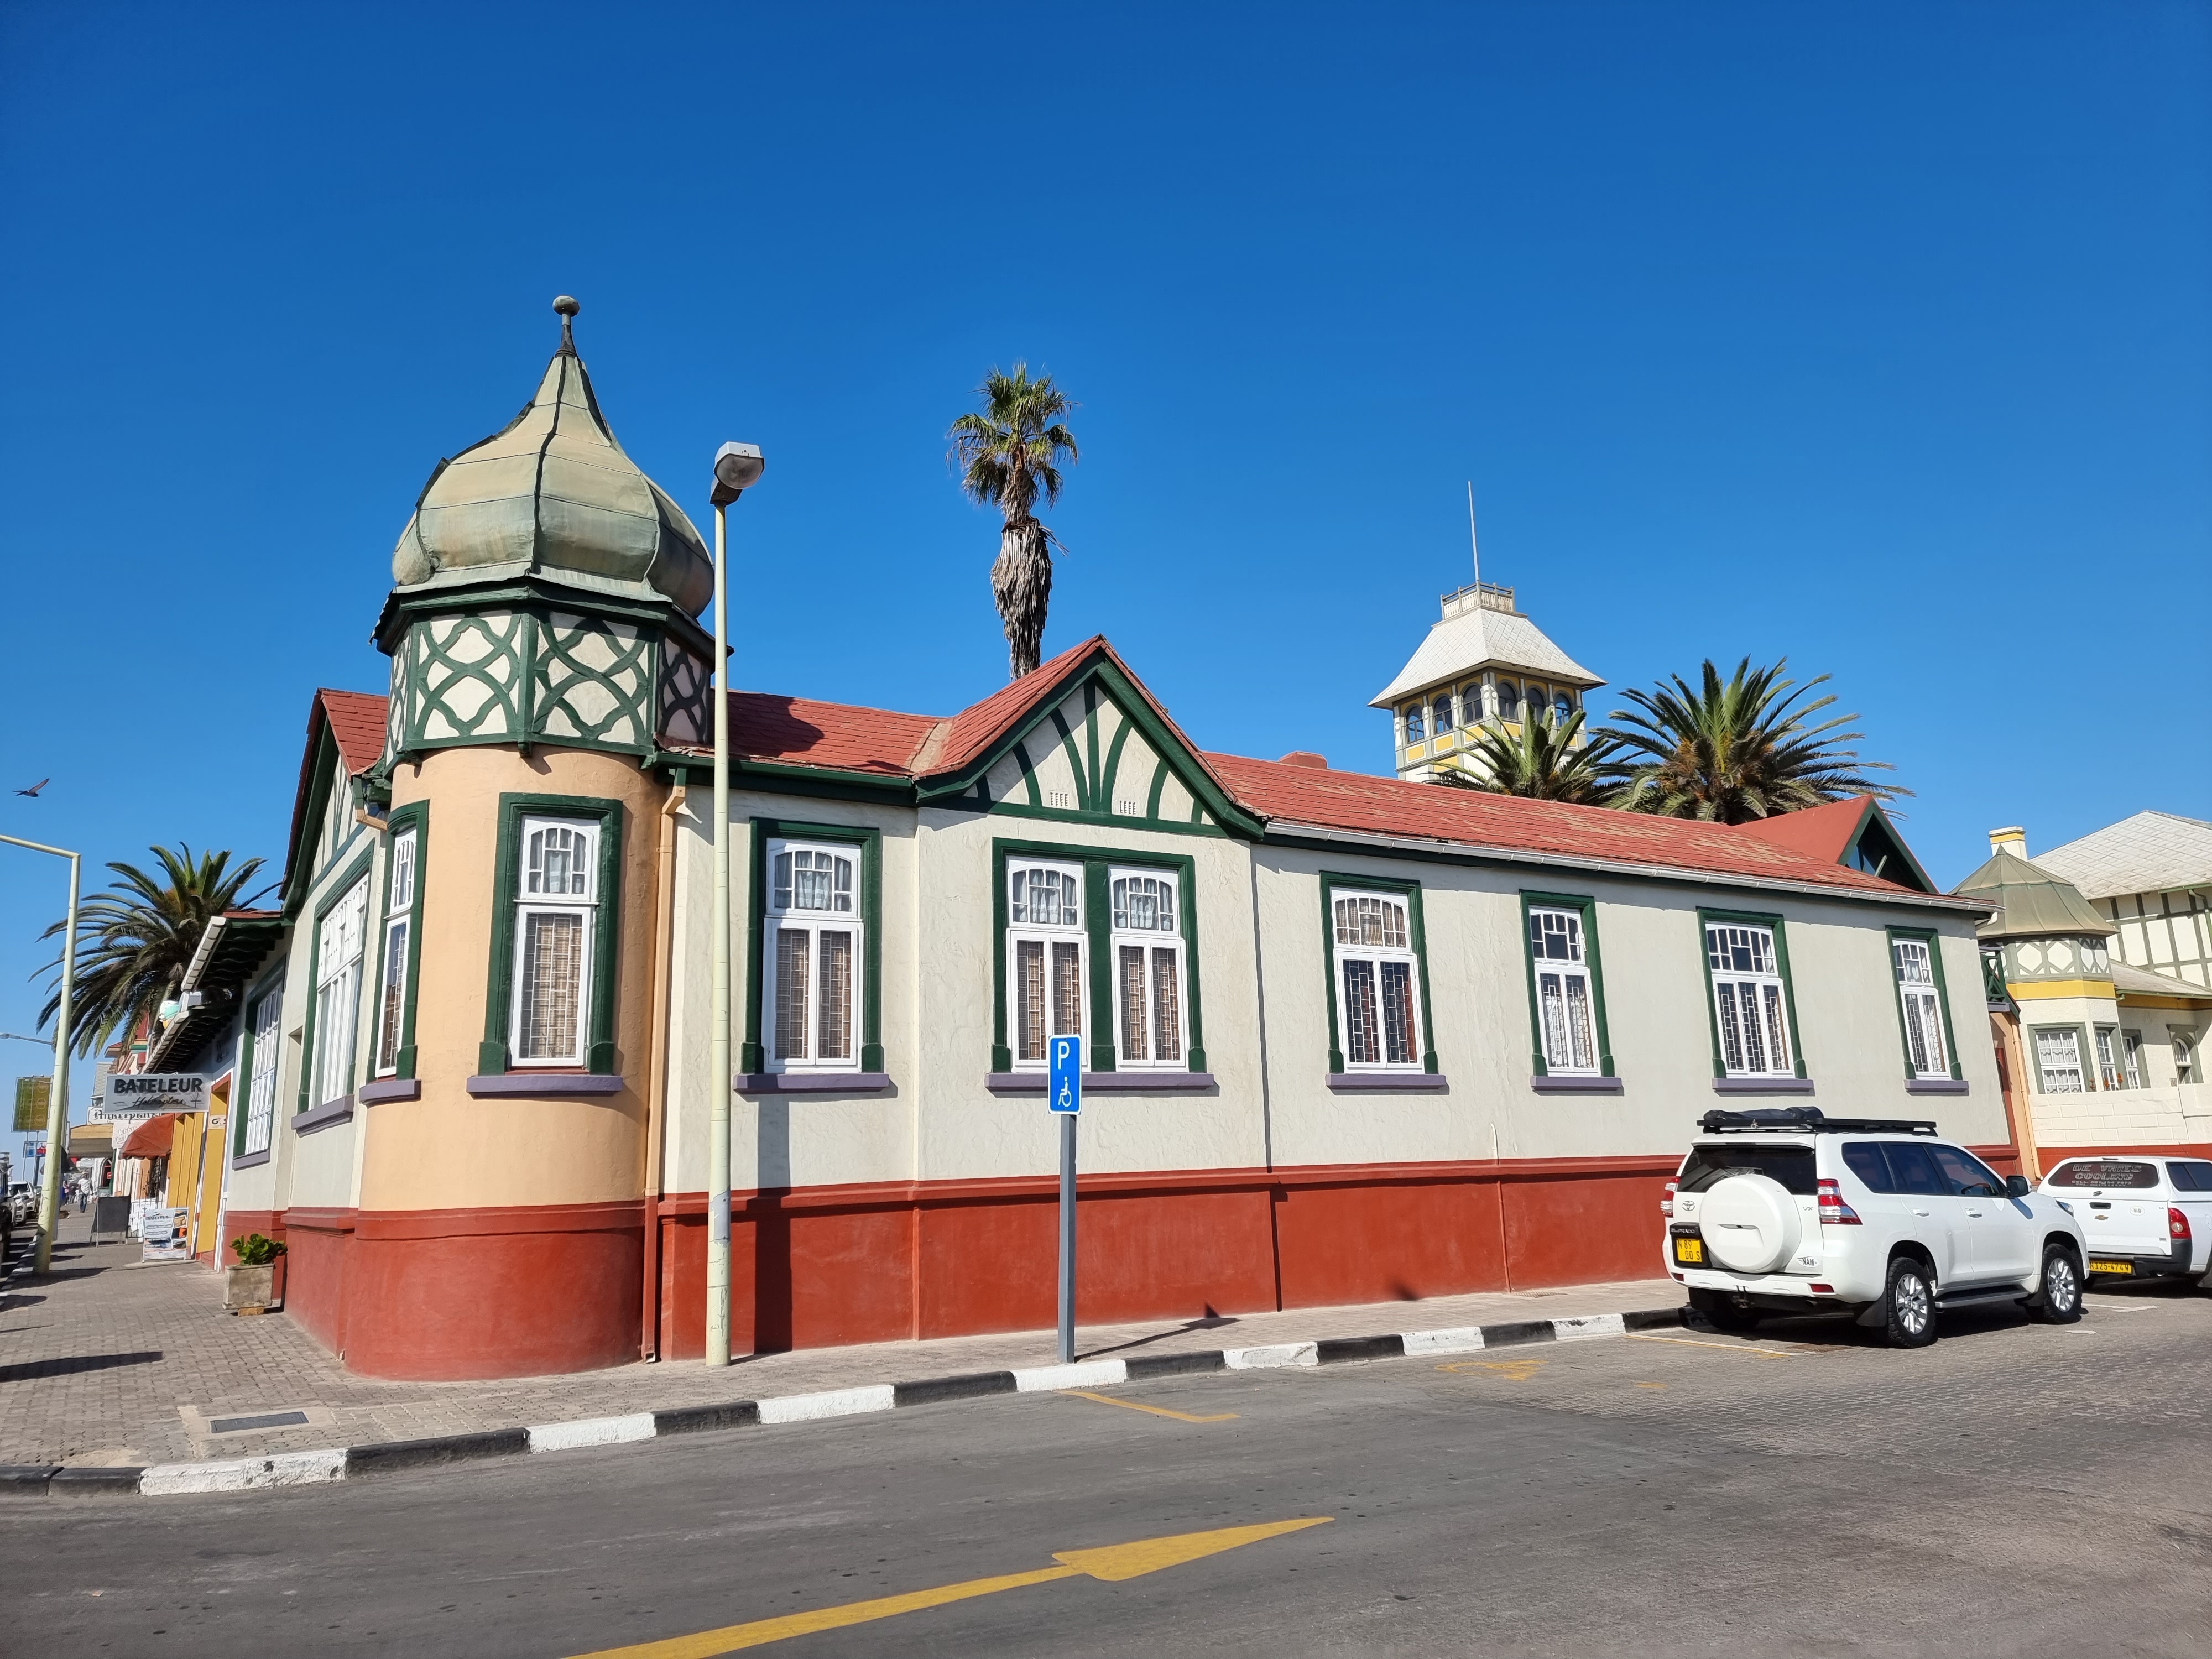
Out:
{"x": 1822, "y": 831}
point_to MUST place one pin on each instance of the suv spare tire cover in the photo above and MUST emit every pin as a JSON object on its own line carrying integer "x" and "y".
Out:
{"x": 1750, "y": 1222}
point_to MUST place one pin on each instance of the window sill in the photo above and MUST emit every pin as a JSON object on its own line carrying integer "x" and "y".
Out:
{"x": 249, "y": 1160}
{"x": 810, "y": 1082}
{"x": 331, "y": 1111}
{"x": 1762, "y": 1085}
{"x": 1576, "y": 1084}
{"x": 1387, "y": 1083}
{"x": 487, "y": 1085}
{"x": 1104, "y": 1082}
{"x": 1937, "y": 1086}
{"x": 389, "y": 1088}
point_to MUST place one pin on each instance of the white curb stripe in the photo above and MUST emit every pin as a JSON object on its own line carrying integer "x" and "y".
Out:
{"x": 591, "y": 1432}
{"x": 306, "y": 1469}
{"x": 1088, "y": 1374}
{"x": 1261, "y": 1359}
{"x": 834, "y": 1402}
{"x": 1464, "y": 1339}
{"x": 1590, "y": 1325}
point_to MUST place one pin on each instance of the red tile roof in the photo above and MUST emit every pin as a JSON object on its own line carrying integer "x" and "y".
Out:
{"x": 357, "y": 720}
{"x": 1818, "y": 832}
{"x": 803, "y": 731}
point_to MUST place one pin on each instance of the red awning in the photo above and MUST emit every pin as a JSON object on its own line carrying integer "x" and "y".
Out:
{"x": 150, "y": 1138}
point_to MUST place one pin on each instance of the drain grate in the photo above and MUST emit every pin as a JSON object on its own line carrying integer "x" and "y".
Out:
{"x": 271, "y": 1420}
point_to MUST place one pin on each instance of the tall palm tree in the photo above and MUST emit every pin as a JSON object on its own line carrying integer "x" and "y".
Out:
{"x": 1732, "y": 751}
{"x": 1008, "y": 454}
{"x": 1539, "y": 762}
{"x": 136, "y": 938}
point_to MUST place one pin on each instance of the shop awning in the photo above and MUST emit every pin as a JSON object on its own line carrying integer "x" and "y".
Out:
{"x": 152, "y": 1138}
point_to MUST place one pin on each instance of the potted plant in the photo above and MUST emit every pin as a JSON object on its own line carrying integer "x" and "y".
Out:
{"x": 249, "y": 1287}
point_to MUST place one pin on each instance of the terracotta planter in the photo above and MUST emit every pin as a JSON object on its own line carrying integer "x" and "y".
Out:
{"x": 248, "y": 1290}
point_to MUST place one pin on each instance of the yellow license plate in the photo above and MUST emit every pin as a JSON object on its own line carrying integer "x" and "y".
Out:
{"x": 2112, "y": 1266}
{"x": 1689, "y": 1252}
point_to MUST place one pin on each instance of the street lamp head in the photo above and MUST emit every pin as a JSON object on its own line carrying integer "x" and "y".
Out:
{"x": 738, "y": 468}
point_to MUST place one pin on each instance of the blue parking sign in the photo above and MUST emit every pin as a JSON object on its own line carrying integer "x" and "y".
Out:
{"x": 1066, "y": 1074}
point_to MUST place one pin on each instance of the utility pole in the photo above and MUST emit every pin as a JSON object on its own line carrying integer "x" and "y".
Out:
{"x": 50, "y": 1178}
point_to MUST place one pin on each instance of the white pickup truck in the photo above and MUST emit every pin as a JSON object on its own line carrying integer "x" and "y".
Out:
{"x": 2143, "y": 1218}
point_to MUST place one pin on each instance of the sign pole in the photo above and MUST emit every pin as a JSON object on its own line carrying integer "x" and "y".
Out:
{"x": 1067, "y": 1101}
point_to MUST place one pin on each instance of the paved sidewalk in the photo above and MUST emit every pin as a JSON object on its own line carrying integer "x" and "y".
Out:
{"x": 110, "y": 1362}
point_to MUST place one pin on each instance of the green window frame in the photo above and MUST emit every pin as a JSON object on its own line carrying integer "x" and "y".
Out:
{"x": 494, "y": 1054}
{"x": 1934, "y": 941}
{"x": 1097, "y": 928}
{"x": 1774, "y": 924}
{"x": 1585, "y": 907}
{"x": 752, "y": 1051}
{"x": 241, "y": 1093}
{"x": 1418, "y": 937}
{"x": 337, "y": 889}
{"x": 415, "y": 816}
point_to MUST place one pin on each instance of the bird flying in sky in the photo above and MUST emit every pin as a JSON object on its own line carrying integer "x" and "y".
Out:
{"x": 35, "y": 788}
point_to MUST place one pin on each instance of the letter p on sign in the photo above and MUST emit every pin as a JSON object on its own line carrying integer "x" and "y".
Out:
{"x": 1066, "y": 1092}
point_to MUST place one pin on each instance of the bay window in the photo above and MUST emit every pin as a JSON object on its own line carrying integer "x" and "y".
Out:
{"x": 1146, "y": 941}
{"x": 1045, "y": 956}
{"x": 556, "y": 940}
{"x": 1377, "y": 1000}
{"x": 1566, "y": 1005}
{"x": 1750, "y": 1000}
{"x": 814, "y": 951}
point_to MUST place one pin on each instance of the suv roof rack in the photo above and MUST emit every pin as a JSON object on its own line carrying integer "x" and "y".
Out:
{"x": 1770, "y": 1118}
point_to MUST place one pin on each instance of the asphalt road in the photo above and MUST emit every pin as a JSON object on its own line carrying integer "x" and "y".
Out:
{"x": 2016, "y": 1489}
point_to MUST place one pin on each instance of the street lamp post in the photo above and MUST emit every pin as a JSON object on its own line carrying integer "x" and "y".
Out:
{"x": 737, "y": 467}
{"x": 50, "y": 1178}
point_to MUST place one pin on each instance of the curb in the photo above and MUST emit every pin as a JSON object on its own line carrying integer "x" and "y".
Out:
{"x": 319, "y": 1467}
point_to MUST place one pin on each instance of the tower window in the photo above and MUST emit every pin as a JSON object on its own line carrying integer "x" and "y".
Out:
{"x": 1444, "y": 712}
{"x": 1414, "y": 730}
{"x": 1509, "y": 701}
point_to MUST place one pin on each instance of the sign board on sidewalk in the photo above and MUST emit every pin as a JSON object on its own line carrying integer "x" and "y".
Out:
{"x": 151, "y": 1093}
{"x": 1066, "y": 1092}
{"x": 164, "y": 1236}
{"x": 32, "y": 1094}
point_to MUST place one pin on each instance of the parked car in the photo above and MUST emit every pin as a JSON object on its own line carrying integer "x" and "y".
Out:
{"x": 1787, "y": 1211}
{"x": 22, "y": 1201}
{"x": 2144, "y": 1218}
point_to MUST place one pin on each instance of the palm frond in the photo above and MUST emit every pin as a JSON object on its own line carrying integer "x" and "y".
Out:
{"x": 1008, "y": 453}
{"x": 1538, "y": 760}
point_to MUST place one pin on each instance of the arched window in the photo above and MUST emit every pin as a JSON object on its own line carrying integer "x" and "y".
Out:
{"x": 1562, "y": 707}
{"x": 1443, "y": 706}
{"x": 1509, "y": 700}
{"x": 1414, "y": 732}
{"x": 1378, "y": 1012}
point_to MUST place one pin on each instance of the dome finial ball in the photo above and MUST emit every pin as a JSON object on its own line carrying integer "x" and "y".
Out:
{"x": 567, "y": 306}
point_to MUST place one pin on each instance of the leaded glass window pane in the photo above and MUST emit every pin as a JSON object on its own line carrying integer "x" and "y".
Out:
{"x": 552, "y": 985}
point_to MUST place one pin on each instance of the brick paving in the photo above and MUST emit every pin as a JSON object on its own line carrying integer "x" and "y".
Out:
{"x": 109, "y": 1361}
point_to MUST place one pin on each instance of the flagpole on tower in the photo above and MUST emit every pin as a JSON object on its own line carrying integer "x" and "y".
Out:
{"x": 1474, "y": 546}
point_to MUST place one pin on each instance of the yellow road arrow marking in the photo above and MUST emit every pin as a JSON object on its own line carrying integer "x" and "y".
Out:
{"x": 1157, "y": 1410}
{"x": 1113, "y": 1563}
{"x": 1743, "y": 1348}
{"x": 1513, "y": 1370}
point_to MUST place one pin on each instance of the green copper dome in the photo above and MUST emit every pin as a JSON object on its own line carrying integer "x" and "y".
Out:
{"x": 553, "y": 494}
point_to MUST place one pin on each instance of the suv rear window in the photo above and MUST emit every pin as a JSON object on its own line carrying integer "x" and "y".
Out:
{"x": 2105, "y": 1172}
{"x": 2190, "y": 1178}
{"x": 1790, "y": 1165}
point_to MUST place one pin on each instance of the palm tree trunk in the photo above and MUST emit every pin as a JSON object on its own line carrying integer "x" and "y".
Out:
{"x": 1021, "y": 586}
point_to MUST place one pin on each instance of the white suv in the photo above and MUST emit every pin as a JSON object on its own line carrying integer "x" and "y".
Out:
{"x": 1788, "y": 1210}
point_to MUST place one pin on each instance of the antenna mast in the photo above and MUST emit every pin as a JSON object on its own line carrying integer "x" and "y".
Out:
{"x": 1474, "y": 546}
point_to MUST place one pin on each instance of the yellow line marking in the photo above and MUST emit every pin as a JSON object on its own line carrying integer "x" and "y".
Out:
{"x": 1743, "y": 1348}
{"x": 1650, "y": 1385}
{"x": 1157, "y": 1410}
{"x": 1513, "y": 1370}
{"x": 1111, "y": 1563}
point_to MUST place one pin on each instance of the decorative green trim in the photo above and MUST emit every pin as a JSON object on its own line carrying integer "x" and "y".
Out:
{"x": 1114, "y": 820}
{"x": 1934, "y": 941}
{"x": 1593, "y": 959}
{"x": 415, "y": 816}
{"x": 1159, "y": 784}
{"x": 241, "y": 1088}
{"x": 401, "y": 611}
{"x": 493, "y": 1055}
{"x": 338, "y": 888}
{"x": 1856, "y": 855}
{"x": 1075, "y": 767}
{"x": 752, "y": 1053}
{"x": 300, "y": 869}
{"x": 1750, "y": 919}
{"x": 1417, "y": 931}
{"x": 1098, "y": 932}
{"x": 1109, "y": 780}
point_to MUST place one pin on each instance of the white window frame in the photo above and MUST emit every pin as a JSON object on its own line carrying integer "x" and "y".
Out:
{"x": 581, "y": 900}
{"x": 783, "y": 915}
{"x": 2131, "y": 1065}
{"x": 2052, "y": 1068}
{"x": 1050, "y": 940}
{"x": 1154, "y": 943}
{"x": 391, "y": 959}
{"x": 1757, "y": 986}
{"x": 1357, "y": 944}
{"x": 1921, "y": 1004}
{"x": 266, "y": 1020}
{"x": 1559, "y": 958}
{"x": 339, "y": 943}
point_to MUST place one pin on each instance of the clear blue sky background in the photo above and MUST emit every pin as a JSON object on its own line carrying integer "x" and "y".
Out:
{"x": 1877, "y": 338}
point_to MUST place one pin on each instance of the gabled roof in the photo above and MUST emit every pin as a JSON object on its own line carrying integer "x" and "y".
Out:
{"x": 2150, "y": 853}
{"x": 2031, "y": 902}
{"x": 1479, "y": 637}
{"x": 1855, "y": 832}
{"x": 2132, "y": 982}
{"x": 354, "y": 723}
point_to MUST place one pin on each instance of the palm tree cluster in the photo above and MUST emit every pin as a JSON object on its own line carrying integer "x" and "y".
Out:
{"x": 1726, "y": 751}
{"x": 1008, "y": 453}
{"x": 136, "y": 938}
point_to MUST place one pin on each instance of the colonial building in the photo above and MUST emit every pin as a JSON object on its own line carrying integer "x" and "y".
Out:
{"x": 1349, "y": 1038}
{"x": 2151, "y": 877}
{"x": 1482, "y": 664}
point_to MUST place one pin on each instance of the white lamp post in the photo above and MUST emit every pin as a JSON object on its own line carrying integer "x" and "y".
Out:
{"x": 50, "y": 1179}
{"x": 737, "y": 467}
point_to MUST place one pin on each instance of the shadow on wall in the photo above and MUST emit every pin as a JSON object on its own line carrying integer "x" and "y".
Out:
{"x": 771, "y": 1227}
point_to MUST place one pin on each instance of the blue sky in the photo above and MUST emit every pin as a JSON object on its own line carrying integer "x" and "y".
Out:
{"x": 1880, "y": 338}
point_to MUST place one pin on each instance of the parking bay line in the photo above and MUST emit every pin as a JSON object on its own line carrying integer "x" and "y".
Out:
{"x": 1111, "y": 1564}
{"x": 1157, "y": 1410}
{"x": 1745, "y": 1349}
